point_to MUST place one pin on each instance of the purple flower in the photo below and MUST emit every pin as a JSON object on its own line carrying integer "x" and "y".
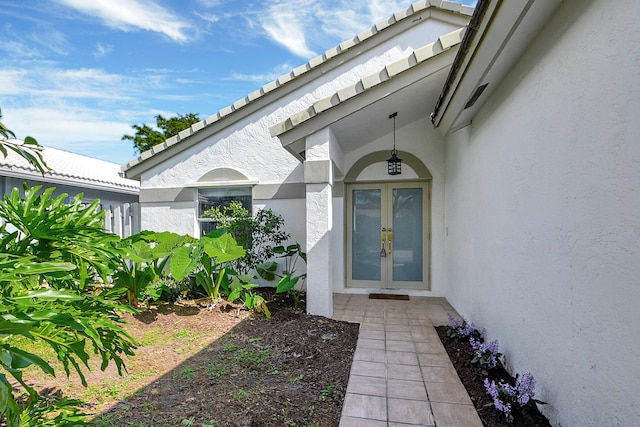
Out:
{"x": 525, "y": 385}
{"x": 494, "y": 391}
{"x": 486, "y": 354}
{"x": 508, "y": 398}
{"x": 453, "y": 322}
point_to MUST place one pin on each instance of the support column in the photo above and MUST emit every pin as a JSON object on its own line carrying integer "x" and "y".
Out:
{"x": 318, "y": 177}
{"x": 319, "y": 260}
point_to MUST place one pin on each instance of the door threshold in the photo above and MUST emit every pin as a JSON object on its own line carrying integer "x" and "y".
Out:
{"x": 389, "y": 296}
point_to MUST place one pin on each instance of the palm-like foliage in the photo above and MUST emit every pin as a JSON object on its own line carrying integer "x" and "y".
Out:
{"x": 50, "y": 252}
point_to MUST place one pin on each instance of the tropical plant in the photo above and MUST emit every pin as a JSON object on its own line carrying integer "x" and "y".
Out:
{"x": 288, "y": 280}
{"x": 51, "y": 253}
{"x": 258, "y": 234}
{"x": 145, "y": 257}
{"x": 29, "y": 149}
{"x": 242, "y": 289}
{"x": 208, "y": 259}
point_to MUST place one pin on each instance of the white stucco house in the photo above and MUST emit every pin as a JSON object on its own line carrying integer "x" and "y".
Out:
{"x": 519, "y": 197}
{"x": 72, "y": 174}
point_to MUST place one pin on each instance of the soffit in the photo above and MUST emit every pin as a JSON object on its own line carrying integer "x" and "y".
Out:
{"x": 359, "y": 113}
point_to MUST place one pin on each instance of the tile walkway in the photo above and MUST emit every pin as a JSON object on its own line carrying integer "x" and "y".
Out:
{"x": 401, "y": 374}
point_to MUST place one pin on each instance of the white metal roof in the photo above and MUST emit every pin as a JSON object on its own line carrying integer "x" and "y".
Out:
{"x": 71, "y": 169}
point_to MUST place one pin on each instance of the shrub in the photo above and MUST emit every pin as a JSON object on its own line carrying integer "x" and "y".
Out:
{"x": 258, "y": 235}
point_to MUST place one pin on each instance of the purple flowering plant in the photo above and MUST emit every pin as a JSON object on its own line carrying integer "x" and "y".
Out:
{"x": 460, "y": 329}
{"x": 485, "y": 355}
{"x": 513, "y": 401}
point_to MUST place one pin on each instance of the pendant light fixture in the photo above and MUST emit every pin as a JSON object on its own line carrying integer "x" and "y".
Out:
{"x": 394, "y": 163}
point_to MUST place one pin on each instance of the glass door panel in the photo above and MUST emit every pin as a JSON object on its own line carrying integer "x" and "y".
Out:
{"x": 365, "y": 241}
{"x": 387, "y": 232}
{"x": 407, "y": 234}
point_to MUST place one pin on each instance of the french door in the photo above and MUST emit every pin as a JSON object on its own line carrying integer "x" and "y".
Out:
{"x": 387, "y": 235}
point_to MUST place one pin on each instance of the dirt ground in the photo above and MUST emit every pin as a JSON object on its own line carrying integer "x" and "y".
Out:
{"x": 224, "y": 367}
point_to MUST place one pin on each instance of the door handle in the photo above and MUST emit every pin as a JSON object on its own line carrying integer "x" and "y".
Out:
{"x": 390, "y": 239}
{"x": 383, "y": 237}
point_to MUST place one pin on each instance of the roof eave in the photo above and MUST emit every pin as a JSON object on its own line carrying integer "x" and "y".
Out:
{"x": 484, "y": 60}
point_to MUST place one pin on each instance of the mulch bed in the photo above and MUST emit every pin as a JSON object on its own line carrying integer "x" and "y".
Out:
{"x": 461, "y": 354}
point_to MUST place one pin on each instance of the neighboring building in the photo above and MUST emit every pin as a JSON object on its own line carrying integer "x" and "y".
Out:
{"x": 519, "y": 196}
{"x": 72, "y": 174}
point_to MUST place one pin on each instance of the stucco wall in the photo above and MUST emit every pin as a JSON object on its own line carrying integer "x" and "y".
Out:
{"x": 543, "y": 203}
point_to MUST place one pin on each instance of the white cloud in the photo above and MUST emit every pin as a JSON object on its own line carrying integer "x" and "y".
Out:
{"x": 303, "y": 26}
{"x": 21, "y": 45}
{"x": 129, "y": 15}
{"x": 262, "y": 78}
{"x": 287, "y": 23}
{"x": 80, "y": 130}
{"x": 101, "y": 50}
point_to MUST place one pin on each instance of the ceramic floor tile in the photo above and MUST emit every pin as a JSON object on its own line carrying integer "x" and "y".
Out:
{"x": 410, "y": 412}
{"x": 368, "y": 369}
{"x": 370, "y": 355}
{"x": 452, "y": 415}
{"x": 419, "y": 322}
{"x": 398, "y": 336}
{"x": 374, "y": 335}
{"x": 397, "y": 328}
{"x": 373, "y": 320}
{"x": 439, "y": 374}
{"x": 430, "y": 347}
{"x": 404, "y": 372}
{"x": 360, "y": 422}
{"x": 363, "y": 406}
{"x": 372, "y": 386}
{"x": 402, "y": 389}
{"x": 448, "y": 393}
{"x": 371, "y": 326}
{"x": 400, "y": 345}
{"x": 402, "y": 357}
{"x": 371, "y": 344}
{"x": 396, "y": 321}
{"x": 434, "y": 359}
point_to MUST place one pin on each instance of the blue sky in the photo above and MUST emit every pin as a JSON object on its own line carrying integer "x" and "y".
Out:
{"x": 76, "y": 74}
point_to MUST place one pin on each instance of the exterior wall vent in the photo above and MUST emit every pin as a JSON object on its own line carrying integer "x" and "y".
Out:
{"x": 476, "y": 95}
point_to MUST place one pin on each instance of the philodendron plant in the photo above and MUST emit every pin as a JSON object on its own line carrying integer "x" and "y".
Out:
{"x": 51, "y": 253}
{"x": 209, "y": 259}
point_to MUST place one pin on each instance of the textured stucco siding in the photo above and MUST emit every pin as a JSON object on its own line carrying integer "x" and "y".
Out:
{"x": 543, "y": 203}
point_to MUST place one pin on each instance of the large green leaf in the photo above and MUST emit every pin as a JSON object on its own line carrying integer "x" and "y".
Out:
{"x": 223, "y": 248}
{"x": 49, "y": 295}
{"x": 183, "y": 262}
{"x": 15, "y": 358}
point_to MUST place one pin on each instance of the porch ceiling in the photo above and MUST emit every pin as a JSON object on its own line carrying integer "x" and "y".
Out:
{"x": 413, "y": 102}
{"x": 360, "y": 113}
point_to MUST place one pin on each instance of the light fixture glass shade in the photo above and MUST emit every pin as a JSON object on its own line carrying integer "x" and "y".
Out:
{"x": 394, "y": 163}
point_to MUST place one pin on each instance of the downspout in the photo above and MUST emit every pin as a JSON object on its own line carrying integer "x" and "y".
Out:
{"x": 469, "y": 35}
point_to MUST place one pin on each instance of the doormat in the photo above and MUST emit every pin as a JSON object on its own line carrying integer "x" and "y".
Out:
{"x": 389, "y": 296}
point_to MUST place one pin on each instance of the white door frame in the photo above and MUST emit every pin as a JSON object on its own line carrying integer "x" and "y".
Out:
{"x": 386, "y": 265}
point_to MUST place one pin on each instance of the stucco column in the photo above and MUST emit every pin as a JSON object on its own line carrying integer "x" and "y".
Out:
{"x": 318, "y": 176}
{"x": 319, "y": 261}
